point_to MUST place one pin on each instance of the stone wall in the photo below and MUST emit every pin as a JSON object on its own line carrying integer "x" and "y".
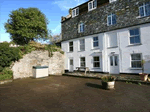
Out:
{"x": 23, "y": 67}
{"x": 127, "y": 12}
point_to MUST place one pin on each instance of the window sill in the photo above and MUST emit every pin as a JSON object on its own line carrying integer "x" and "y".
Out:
{"x": 112, "y": 47}
{"x": 134, "y": 45}
{"x": 140, "y": 17}
{"x": 136, "y": 68}
{"x": 91, "y": 9}
{"x": 70, "y": 52}
{"x": 81, "y": 51}
{"x": 95, "y": 48}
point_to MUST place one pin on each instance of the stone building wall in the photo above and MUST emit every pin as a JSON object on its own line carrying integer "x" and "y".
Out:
{"x": 23, "y": 67}
{"x": 127, "y": 13}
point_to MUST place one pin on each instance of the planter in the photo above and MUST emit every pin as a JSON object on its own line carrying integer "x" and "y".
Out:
{"x": 143, "y": 76}
{"x": 108, "y": 85}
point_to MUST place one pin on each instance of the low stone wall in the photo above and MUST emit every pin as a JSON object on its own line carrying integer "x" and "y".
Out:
{"x": 23, "y": 67}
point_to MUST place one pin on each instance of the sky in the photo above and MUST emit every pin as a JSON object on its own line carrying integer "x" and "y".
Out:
{"x": 53, "y": 9}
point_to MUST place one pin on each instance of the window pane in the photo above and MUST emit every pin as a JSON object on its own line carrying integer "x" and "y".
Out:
{"x": 82, "y": 64}
{"x": 82, "y": 41}
{"x": 70, "y": 43}
{"x": 111, "y": 61}
{"x": 90, "y": 5}
{"x": 109, "y": 20}
{"x": 131, "y": 32}
{"x": 94, "y": 3}
{"x": 96, "y": 58}
{"x": 96, "y": 64}
{"x": 136, "y": 31}
{"x": 95, "y": 38}
{"x": 82, "y": 48}
{"x": 71, "y": 48}
{"x": 95, "y": 44}
{"x": 83, "y": 59}
{"x": 116, "y": 61}
{"x": 139, "y": 65}
{"x": 71, "y": 62}
{"x": 136, "y": 56}
{"x": 137, "y": 39}
{"x": 77, "y": 11}
{"x": 147, "y": 9}
{"x": 113, "y": 19}
{"x": 133, "y": 64}
{"x": 131, "y": 40}
{"x": 141, "y": 11}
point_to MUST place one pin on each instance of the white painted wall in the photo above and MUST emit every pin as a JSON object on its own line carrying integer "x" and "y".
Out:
{"x": 121, "y": 47}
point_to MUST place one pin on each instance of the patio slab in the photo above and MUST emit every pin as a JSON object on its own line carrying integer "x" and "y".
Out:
{"x": 71, "y": 94}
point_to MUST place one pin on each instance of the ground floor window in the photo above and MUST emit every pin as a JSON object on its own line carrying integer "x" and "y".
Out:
{"x": 96, "y": 62}
{"x": 136, "y": 60}
{"x": 82, "y": 62}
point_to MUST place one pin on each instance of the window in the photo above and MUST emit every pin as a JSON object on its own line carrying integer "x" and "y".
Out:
{"x": 144, "y": 9}
{"x": 110, "y": 1}
{"x": 96, "y": 62}
{"x": 95, "y": 42}
{"x": 82, "y": 45}
{"x": 134, "y": 36}
{"x": 81, "y": 28}
{"x": 92, "y": 5}
{"x": 82, "y": 62}
{"x": 136, "y": 60}
{"x": 75, "y": 12}
{"x": 71, "y": 46}
{"x": 111, "y": 19}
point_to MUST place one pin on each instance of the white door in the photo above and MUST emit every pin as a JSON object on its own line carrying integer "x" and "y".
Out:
{"x": 114, "y": 64}
{"x": 71, "y": 65}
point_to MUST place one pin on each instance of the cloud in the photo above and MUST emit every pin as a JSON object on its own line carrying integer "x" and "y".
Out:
{"x": 67, "y": 4}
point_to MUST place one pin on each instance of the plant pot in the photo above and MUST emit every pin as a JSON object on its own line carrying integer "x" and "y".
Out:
{"x": 108, "y": 85}
{"x": 148, "y": 79}
{"x": 143, "y": 76}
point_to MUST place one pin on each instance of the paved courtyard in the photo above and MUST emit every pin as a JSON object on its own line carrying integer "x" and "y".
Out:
{"x": 72, "y": 94}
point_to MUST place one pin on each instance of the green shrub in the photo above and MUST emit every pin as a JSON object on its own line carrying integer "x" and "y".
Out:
{"x": 8, "y": 54}
{"x": 6, "y": 74}
{"x": 108, "y": 78}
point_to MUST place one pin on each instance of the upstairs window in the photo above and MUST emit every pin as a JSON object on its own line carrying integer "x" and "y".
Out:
{"x": 71, "y": 46}
{"x": 81, "y": 28}
{"x": 95, "y": 42}
{"x": 134, "y": 36}
{"x": 112, "y": 40}
{"x": 111, "y": 19}
{"x": 92, "y": 5}
{"x": 144, "y": 9}
{"x": 82, "y": 45}
{"x": 75, "y": 12}
{"x": 136, "y": 60}
{"x": 110, "y": 1}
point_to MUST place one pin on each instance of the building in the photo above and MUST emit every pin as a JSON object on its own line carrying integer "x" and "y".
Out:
{"x": 110, "y": 36}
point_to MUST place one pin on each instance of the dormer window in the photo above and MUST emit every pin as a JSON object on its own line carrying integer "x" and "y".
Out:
{"x": 92, "y": 5}
{"x": 144, "y": 9}
{"x": 81, "y": 28}
{"x": 111, "y": 19}
{"x": 75, "y": 12}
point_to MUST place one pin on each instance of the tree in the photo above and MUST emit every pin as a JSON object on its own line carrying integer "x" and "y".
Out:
{"x": 27, "y": 24}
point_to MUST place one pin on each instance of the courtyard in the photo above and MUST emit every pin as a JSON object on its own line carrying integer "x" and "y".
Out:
{"x": 72, "y": 94}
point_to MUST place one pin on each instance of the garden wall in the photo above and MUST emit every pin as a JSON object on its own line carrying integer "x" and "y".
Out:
{"x": 23, "y": 67}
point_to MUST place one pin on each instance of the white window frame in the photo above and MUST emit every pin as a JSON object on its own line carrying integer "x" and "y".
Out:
{"x": 111, "y": 16}
{"x": 110, "y": 1}
{"x": 97, "y": 61}
{"x": 144, "y": 9}
{"x": 82, "y": 61}
{"x": 81, "y": 28}
{"x": 92, "y": 2}
{"x": 134, "y": 36}
{"x": 81, "y": 45}
{"x": 70, "y": 46}
{"x": 76, "y": 12}
{"x": 135, "y": 61}
{"x": 95, "y": 41}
